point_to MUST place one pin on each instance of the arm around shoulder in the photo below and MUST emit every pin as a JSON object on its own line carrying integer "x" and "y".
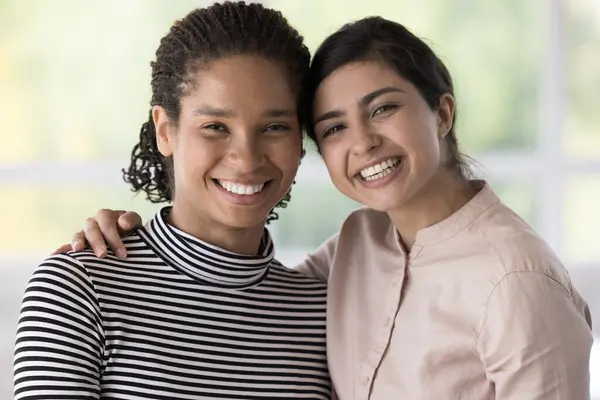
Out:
{"x": 535, "y": 341}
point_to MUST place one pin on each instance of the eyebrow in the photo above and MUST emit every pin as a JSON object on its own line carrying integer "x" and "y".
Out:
{"x": 366, "y": 99}
{"x": 227, "y": 112}
{"x": 213, "y": 112}
{"x": 279, "y": 112}
{"x": 329, "y": 115}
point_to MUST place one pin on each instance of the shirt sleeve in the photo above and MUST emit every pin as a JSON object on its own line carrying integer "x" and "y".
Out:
{"x": 536, "y": 340}
{"x": 60, "y": 339}
{"x": 318, "y": 264}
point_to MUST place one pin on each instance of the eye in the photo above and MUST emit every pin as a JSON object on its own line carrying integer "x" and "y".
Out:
{"x": 384, "y": 109}
{"x": 215, "y": 127}
{"x": 332, "y": 130}
{"x": 277, "y": 128}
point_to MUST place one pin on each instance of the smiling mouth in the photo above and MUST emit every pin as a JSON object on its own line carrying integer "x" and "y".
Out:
{"x": 241, "y": 189}
{"x": 380, "y": 170}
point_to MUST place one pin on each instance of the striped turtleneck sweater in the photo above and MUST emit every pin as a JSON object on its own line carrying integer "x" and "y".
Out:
{"x": 178, "y": 319}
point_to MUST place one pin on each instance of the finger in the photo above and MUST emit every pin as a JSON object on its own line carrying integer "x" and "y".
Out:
{"x": 129, "y": 221}
{"x": 94, "y": 237}
{"x": 65, "y": 248}
{"x": 107, "y": 222}
{"x": 78, "y": 242}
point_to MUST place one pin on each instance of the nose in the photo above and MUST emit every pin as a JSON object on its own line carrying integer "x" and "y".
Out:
{"x": 364, "y": 140}
{"x": 245, "y": 153}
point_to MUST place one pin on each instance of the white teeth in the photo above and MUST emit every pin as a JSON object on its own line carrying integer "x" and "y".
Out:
{"x": 238, "y": 188}
{"x": 379, "y": 175}
{"x": 367, "y": 171}
{"x": 380, "y": 170}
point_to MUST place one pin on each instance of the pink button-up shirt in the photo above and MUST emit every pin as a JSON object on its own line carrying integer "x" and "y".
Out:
{"x": 481, "y": 308}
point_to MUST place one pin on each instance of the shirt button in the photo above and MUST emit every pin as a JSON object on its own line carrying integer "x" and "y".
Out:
{"x": 365, "y": 381}
{"x": 388, "y": 321}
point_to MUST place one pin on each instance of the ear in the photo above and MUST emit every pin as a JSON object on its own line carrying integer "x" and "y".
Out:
{"x": 445, "y": 114}
{"x": 165, "y": 136}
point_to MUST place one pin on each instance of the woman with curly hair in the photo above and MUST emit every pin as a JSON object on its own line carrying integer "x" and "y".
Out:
{"x": 200, "y": 309}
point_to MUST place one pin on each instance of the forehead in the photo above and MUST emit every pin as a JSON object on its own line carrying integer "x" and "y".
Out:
{"x": 348, "y": 84}
{"x": 242, "y": 83}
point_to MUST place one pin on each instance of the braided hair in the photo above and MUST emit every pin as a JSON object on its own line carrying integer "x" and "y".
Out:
{"x": 203, "y": 36}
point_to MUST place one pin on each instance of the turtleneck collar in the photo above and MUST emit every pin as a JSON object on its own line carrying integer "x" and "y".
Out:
{"x": 205, "y": 262}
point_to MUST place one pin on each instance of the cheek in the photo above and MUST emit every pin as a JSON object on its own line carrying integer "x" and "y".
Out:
{"x": 185, "y": 169}
{"x": 193, "y": 158}
{"x": 335, "y": 162}
{"x": 426, "y": 159}
{"x": 285, "y": 156}
{"x": 419, "y": 139}
{"x": 429, "y": 146}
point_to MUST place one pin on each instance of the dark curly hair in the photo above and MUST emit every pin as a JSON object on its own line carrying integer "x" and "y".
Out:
{"x": 201, "y": 37}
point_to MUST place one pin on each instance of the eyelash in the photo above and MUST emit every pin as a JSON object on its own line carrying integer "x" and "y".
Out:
{"x": 269, "y": 128}
{"x": 376, "y": 112}
{"x": 280, "y": 127}
{"x": 332, "y": 130}
{"x": 215, "y": 127}
{"x": 383, "y": 109}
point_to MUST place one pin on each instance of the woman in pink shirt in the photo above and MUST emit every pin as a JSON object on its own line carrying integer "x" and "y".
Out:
{"x": 437, "y": 290}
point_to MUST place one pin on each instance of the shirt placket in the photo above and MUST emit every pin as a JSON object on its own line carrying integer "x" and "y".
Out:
{"x": 384, "y": 332}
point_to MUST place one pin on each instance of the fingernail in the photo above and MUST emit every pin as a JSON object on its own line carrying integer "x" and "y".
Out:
{"x": 101, "y": 252}
{"x": 121, "y": 253}
{"x": 76, "y": 244}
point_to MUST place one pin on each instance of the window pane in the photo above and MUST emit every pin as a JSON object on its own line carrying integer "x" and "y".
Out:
{"x": 75, "y": 76}
{"x": 582, "y": 69}
{"x": 582, "y": 219}
{"x": 41, "y": 218}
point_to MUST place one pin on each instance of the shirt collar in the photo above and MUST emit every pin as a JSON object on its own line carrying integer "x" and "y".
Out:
{"x": 456, "y": 222}
{"x": 203, "y": 261}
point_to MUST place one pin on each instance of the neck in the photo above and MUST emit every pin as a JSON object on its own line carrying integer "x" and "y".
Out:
{"x": 445, "y": 194}
{"x": 237, "y": 240}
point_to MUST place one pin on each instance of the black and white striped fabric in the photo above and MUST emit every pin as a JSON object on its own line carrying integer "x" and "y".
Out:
{"x": 179, "y": 319}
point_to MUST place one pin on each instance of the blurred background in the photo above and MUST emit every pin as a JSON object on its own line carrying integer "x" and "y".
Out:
{"x": 74, "y": 91}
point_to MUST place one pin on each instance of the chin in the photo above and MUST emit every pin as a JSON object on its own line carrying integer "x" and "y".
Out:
{"x": 384, "y": 199}
{"x": 243, "y": 220}
{"x": 381, "y": 206}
